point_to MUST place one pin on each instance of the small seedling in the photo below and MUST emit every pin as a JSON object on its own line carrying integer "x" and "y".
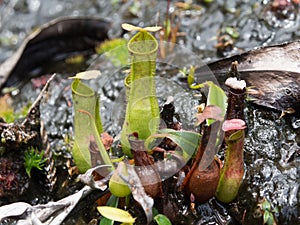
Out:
{"x": 33, "y": 159}
{"x": 267, "y": 212}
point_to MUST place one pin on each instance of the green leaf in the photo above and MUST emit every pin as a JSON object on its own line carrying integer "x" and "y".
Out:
{"x": 271, "y": 220}
{"x": 187, "y": 140}
{"x": 191, "y": 80}
{"x": 116, "y": 214}
{"x": 113, "y": 202}
{"x": 106, "y": 221}
{"x": 266, "y": 206}
{"x": 232, "y": 31}
{"x": 154, "y": 211}
{"x": 162, "y": 220}
{"x": 266, "y": 216}
{"x": 191, "y": 77}
{"x": 216, "y": 96}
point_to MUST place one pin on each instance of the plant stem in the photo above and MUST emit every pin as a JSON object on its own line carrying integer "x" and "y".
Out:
{"x": 145, "y": 168}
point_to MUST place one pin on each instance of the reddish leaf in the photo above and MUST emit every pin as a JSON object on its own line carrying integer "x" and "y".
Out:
{"x": 210, "y": 112}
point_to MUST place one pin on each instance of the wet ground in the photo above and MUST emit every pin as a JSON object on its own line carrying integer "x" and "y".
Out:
{"x": 272, "y": 145}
